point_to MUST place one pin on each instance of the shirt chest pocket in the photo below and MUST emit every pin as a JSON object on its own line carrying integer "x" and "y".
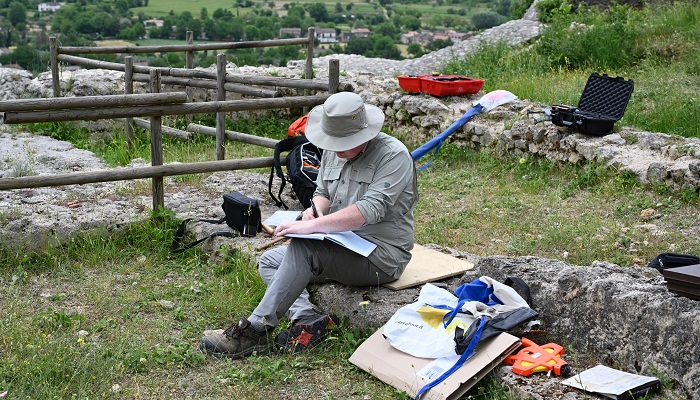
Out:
{"x": 359, "y": 180}
{"x": 363, "y": 175}
{"x": 331, "y": 177}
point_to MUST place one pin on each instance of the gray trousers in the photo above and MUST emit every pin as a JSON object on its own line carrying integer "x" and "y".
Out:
{"x": 287, "y": 270}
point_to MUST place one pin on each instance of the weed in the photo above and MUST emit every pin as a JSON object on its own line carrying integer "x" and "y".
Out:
{"x": 23, "y": 166}
{"x": 52, "y": 320}
{"x": 690, "y": 194}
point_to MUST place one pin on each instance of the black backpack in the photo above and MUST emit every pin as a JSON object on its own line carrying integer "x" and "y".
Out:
{"x": 303, "y": 163}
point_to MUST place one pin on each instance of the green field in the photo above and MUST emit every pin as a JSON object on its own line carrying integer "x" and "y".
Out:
{"x": 161, "y": 8}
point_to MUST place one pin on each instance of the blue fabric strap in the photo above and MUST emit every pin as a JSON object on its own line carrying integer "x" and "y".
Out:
{"x": 465, "y": 356}
{"x": 477, "y": 291}
{"x": 426, "y": 165}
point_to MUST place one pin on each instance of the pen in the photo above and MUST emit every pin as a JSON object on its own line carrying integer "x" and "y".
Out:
{"x": 313, "y": 207}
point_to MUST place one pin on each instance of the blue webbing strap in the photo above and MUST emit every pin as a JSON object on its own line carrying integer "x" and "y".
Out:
{"x": 465, "y": 356}
{"x": 426, "y": 165}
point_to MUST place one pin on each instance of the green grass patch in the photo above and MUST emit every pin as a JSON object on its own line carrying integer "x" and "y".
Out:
{"x": 657, "y": 47}
{"x": 487, "y": 205}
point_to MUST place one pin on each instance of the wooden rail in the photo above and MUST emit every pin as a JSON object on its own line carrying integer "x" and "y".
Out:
{"x": 119, "y": 100}
{"x": 174, "y": 48}
{"x": 23, "y": 117}
{"x": 121, "y": 174}
{"x": 67, "y": 53}
{"x": 156, "y": 104}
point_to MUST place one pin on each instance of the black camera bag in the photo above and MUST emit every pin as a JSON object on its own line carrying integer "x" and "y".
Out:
{"x": 241, "y": 213}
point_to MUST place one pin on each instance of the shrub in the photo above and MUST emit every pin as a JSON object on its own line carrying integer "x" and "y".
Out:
{"x": 594, "y": 39}
{"x": 485, "y": 20}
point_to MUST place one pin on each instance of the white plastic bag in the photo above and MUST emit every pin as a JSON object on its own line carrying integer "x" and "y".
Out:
{"x": 417, "y": 329}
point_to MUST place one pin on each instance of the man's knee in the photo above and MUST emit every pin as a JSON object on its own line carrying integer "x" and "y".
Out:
{"x": 269, "y": 263}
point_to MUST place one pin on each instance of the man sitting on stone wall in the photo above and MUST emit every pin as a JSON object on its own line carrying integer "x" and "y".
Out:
{"x": 366, "y": 184}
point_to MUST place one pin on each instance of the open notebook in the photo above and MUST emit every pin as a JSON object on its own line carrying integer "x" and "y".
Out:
{"x": 346, "y": 239}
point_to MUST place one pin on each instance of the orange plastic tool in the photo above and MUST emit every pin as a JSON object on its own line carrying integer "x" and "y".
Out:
{"x": 534, "y": 358}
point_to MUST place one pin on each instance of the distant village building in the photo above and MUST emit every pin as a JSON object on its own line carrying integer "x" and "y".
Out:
{"x": 158, "y": 23}
{"x": 357, "y": 32}
{"x": 458, "y": 36}
{"x": 326, "y": 35}
{"x": 50, "y": 7}
{"x": 424, "y": 38}
{"x": 360, "y": 32}
{"x": 408, "y": 37}
{"x": 441, "y": 36}
{"x": 290, "y": 32}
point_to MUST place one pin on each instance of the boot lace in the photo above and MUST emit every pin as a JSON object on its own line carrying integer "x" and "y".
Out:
{"x": 233, "y": 330}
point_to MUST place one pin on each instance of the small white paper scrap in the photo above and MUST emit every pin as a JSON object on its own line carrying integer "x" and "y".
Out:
{"x": 436, "y": 368}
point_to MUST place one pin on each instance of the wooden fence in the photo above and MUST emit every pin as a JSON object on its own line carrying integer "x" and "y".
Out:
{"x": 155, "y": 105}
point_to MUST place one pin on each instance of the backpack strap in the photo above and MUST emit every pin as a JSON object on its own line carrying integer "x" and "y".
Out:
{"x": 283, "y": 146}
{"x": 278, "y": 200}
{"x": 176, "y": 246}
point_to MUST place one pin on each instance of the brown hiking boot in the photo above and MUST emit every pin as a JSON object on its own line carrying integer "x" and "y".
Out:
{"x": 240, "y": 340}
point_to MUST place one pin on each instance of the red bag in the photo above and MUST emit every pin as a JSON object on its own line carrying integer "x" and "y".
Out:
{"x": 298, "y": 127}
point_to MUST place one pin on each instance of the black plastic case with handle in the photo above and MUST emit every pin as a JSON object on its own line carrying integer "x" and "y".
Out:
{"x": 602, "y": 103}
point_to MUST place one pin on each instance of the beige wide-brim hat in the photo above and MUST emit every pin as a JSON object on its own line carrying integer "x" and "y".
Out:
{"x": 343, "y": 122}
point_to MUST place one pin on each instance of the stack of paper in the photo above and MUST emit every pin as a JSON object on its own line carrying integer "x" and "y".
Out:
{"x": 613, "y": 383}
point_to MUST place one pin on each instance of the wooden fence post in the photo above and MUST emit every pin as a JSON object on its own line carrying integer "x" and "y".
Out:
{"x": 189, "y": 64}
{"x": 220, "y": 96}
{"x": 53, "y": 46}
{"x": 310, "y": 55}
{"x": 129, "y": 89}
{"x": 333, "y": 75}
{"x": 309, "y": 72}
{"x": 156, "y": 147}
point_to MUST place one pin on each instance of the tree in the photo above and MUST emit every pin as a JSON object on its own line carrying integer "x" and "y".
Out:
{"x": 485, "y": 20}
{"x": 385, "y": 47}
{"x": 17, "y": 13}
{"x": 386, "y": 29}
{"x": 26, "y": 56}
{"x": 360, "y": 46}
{"x": 221, "y": 13}
{"x": 5, "y": 32}
{"x": 296, "y": 11}
{"x": 203, "y": 13}
{"x": 319, "y": 12}
{"x": 411, "y": 23}
{"x": 209, "y": 28}
{"x": 439, "y": 44}
{"x": 415, "y": 50}
{"x": 503, "y": 7}
{"x": 122, "y": 6}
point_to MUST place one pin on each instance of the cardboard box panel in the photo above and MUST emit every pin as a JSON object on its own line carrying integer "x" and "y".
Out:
{"x": 398, "y": 369}
{"x": 429, "y": 265}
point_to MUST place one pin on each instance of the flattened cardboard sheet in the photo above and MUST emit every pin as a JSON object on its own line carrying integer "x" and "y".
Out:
{"x": 398, "y": 369}
{"x": 429, "y": 265}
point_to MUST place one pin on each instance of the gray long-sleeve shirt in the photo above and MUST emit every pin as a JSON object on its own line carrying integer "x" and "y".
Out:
{"x": 381, "y": 181}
